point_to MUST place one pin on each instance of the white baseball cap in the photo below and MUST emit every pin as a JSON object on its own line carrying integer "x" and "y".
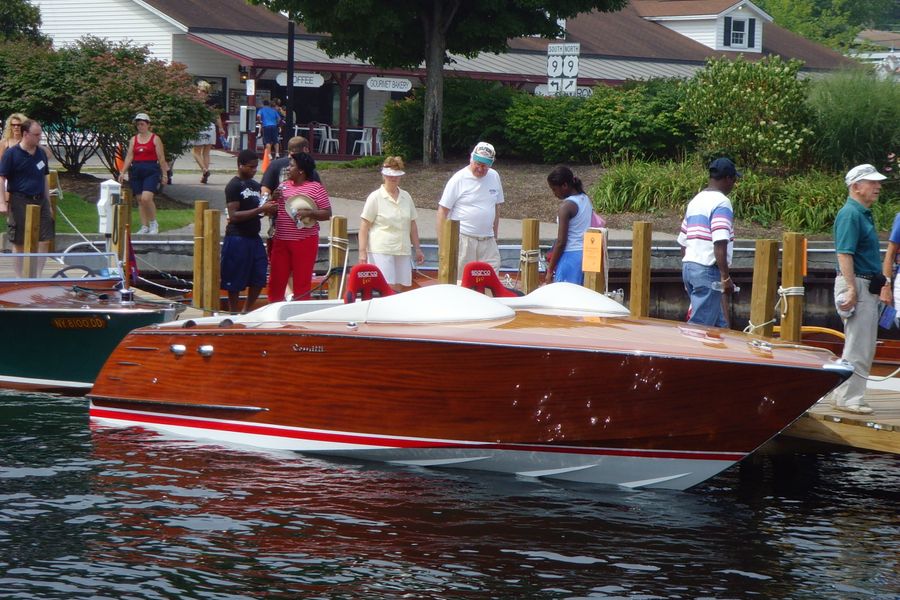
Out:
{"x": 141, "y": 117}
{"x": 863, "y": 172}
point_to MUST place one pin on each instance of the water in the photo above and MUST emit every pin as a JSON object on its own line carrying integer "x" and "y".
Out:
{"x": 93, "y": 512}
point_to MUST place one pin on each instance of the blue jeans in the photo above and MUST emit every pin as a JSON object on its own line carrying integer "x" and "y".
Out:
{"x": 706, "y": 302}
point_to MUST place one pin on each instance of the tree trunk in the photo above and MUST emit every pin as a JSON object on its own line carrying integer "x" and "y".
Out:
{"x": 436, "y": 49}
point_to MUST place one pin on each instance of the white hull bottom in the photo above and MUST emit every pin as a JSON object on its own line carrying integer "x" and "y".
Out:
{"x": 629, "y": 468}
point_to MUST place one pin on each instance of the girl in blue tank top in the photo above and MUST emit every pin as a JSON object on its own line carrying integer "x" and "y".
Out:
{"x": 574, "y": 218}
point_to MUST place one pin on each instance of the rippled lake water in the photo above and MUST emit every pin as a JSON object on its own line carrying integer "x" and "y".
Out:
{"x": 93, "y": 512}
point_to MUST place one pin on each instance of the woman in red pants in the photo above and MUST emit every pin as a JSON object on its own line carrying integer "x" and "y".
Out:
{"x": 296, "y": 241}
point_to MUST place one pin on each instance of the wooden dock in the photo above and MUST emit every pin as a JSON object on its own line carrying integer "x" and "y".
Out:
{"x": 877, "y": 431}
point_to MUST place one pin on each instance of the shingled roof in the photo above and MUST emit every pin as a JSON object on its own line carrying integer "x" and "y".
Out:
{"x": 626, "y": 34}
{"x": 228, "y": 15}
{"x": 621, "y": 35}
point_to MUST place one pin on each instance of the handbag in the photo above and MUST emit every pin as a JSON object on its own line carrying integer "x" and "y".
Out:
{"x": 597, "y": 220}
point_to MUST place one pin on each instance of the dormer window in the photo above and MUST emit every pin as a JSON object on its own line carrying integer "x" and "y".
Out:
{"x": 738, "y": 39}
{"x": 739, "y": 33}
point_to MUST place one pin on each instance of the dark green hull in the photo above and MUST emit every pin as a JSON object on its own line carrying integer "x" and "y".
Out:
{"x": 63, "y": 349}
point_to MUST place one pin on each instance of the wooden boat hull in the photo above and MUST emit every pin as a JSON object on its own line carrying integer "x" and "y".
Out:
{"x": 537, "y": 395}
{"x": 60, "y": 337}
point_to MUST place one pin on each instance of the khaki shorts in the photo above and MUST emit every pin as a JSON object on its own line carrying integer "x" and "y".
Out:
{"x": 478, "y": 248}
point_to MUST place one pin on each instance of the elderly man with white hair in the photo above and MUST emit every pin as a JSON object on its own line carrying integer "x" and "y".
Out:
{"x": 471, "y": 197}
{"x": 859, "y": 284}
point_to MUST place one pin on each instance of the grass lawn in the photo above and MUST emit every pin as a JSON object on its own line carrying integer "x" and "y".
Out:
{"x": 83, "y": 216}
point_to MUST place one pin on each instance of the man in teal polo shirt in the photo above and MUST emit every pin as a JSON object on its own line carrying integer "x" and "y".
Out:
{"x": 859, "y": 284}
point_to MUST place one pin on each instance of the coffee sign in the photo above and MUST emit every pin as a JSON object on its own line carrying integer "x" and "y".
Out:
{"x": 311, "y": 80}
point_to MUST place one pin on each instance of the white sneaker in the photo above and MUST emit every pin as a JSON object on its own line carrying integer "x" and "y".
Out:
{"x": 143, "y": 229}
{"x": 154, "y": 228}
{"x": 857, "y": 409}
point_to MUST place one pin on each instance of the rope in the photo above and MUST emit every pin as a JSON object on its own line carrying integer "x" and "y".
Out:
{"x": 529, "y": 256}
{"x": 76, "y": 230}
{"x": 783, "y": 294}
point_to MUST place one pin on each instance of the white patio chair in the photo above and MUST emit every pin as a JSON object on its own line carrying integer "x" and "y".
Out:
{"x": 364, "y": 143}
{"x": 328, "y": 141}
{"x": 378, "y": 141}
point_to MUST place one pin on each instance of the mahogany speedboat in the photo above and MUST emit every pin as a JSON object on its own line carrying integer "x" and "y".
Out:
{"x": 558, "y": 384}
{"x": 63, "y": 320}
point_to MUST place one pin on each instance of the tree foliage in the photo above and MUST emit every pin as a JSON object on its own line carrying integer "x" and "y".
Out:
{"x": 86, "y": 95}
{"x": 398, "y": 33}
{"x": 834, "y": 23}
{"x": 755, "y": 112}
{"x": 21, "y": 20}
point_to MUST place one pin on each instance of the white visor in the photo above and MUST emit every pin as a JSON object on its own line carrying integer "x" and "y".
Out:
{"x": 392, "y": 172}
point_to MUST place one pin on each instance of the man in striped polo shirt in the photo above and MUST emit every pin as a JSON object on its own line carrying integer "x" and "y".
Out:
{"x": 707, "y": 243}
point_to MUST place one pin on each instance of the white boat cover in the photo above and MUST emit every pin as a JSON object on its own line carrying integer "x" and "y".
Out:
{"x": 442, "y": 303}
{"x": 567, "y": 299}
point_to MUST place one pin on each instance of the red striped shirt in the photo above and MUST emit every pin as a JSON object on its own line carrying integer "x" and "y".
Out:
{"x": 285, "y": 228}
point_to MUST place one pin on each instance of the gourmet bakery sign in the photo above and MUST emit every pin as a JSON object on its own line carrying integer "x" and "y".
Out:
{"x": 389, "y": 84}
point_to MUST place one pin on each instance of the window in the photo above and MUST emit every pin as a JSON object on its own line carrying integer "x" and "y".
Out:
{"x": 738, "y": 33}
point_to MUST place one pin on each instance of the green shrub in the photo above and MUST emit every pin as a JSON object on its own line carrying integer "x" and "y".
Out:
{"x": 542, "y": 129}
{"x": 640, "y": 120}
{"x": 754, "y": 112}
{"x": 856, "y": 118}
{"x": 805, "y": 203}
{"x": 638, "y": 186}
{"x": 473, "y": 111}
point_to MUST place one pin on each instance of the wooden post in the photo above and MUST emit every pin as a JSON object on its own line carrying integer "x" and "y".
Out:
{"x": 211, "y": 258}
{"x": 528, "y": 261}
{"x": 596, "y": 280}
{"x": 642, "y": 234}
{"x": 765, "y": 282}
{"x": 792, "y": 276}
{"x": 200, "y": 206}
{"x": 448, "y": 252}
{"x": 32, "y": 235}
{"x": 119, "y": 243}
{"x": 337, "y": 252}
{"x": 55, "y": 197}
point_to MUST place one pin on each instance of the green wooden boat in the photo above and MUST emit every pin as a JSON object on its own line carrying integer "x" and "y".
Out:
{"x": 62, "y": 315}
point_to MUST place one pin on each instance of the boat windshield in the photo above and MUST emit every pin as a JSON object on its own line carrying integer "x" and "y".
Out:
{"x": 80, "y": 266}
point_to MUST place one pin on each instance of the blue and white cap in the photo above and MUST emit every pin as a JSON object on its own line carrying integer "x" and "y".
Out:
{"x": 484, "y": 153}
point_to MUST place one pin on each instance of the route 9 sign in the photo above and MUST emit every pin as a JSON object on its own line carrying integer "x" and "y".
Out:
{"x": 562, "y": 69}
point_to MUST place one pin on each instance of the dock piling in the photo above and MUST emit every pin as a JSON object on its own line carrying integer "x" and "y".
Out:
{"x": 765, "y": 283}
{"x": 639, "y": 302}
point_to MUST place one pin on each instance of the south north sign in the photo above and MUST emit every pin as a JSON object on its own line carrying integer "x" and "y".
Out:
{"x": 310, "y": 80}
{"x": 388, "y": 84}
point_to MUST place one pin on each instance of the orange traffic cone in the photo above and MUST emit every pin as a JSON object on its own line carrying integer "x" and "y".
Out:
{"x": 265, "y": 161}
{"x": 120, "y": 160}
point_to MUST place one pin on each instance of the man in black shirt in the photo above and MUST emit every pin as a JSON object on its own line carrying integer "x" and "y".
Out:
{"x": 244, "y": 261}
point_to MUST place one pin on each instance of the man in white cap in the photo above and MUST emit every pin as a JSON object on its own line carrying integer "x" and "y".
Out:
{"x": 859, "y": 283}
{"x": 471, "y": 197}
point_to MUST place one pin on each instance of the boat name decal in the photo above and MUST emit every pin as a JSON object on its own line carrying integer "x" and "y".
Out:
{"x": 299, "y": 348}
{"x": 78, "y": 323}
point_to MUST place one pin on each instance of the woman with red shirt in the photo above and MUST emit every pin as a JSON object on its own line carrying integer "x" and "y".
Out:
{"x": 147, "y": 161}
{"x": 296, "y": 241}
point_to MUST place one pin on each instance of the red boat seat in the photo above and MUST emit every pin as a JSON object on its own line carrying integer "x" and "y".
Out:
{"x": 480, "y": 276}
{"x": 366, "y": 282}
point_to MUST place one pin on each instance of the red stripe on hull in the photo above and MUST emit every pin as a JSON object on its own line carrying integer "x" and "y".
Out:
{"x": 350, "y": 438}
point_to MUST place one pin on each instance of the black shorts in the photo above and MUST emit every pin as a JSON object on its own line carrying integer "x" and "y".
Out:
{"x": 16, "y": 218}
{"x": 270, "y": 135}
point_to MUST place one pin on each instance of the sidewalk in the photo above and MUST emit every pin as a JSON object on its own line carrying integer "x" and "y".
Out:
{"x": 187, "y": 189}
